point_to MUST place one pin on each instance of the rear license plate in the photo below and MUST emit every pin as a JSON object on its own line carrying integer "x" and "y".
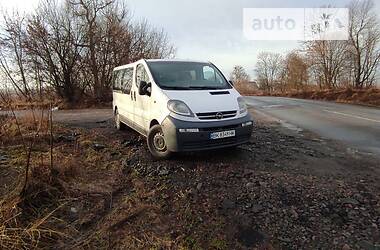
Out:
{"x": 222, "y": 134}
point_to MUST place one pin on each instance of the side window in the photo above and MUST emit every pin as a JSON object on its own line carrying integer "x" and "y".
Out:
{"x": 115, "y": 80}
{"x": 120, "y": 81}
{"x": 141, "y": 75}
{"x": 127, "y": 80}
{"x": 209, "y": 74}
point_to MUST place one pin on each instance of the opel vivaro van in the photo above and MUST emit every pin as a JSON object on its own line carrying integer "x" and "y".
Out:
{"x": 179, "y": 106}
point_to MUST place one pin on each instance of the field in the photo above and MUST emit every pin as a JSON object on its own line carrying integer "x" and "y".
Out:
{"x": 285, "y": 189}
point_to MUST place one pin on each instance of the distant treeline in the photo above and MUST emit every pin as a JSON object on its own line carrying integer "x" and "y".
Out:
{"x": 320, "y": 64}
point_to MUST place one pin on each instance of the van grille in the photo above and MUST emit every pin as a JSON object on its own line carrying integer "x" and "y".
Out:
{"x": 217, "y": 115}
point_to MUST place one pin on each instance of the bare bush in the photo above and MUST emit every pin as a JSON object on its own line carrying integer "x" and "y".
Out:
{"x": 241, "y": 81}
{"x": 239, "y": 74}
{"x": 295, "y": 75}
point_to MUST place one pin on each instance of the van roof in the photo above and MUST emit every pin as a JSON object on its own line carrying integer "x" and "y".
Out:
{"x": 157, "y": 60}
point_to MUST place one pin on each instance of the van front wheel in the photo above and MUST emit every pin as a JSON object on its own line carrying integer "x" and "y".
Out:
{"x": 118, "y": 123}
{"x": 157, "y": 144}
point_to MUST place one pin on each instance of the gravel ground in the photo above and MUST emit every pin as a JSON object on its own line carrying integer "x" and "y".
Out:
{"x": 284, "y": 190}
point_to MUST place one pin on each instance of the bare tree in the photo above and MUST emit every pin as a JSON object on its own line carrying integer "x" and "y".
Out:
{"x": 13, "y": 57}
{"x": 363, "y": 44}
{"x": 268, "y": 70}
{"x": 149, "y": 42}
{"x": 328, "y": 58}
{"x": 335, "y": 62}
{"x": 90, "y": 11}
{"x": 54, "y": 36}
{"x": 111, "y": 39}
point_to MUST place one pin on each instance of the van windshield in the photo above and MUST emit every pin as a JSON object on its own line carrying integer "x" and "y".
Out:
{"x": 187, "y": 76}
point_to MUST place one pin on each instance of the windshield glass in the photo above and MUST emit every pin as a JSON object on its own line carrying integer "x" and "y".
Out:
{"x": 187, "y": 75}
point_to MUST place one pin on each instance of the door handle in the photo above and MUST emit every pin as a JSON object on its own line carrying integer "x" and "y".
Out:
{"x": 134, "y": 93}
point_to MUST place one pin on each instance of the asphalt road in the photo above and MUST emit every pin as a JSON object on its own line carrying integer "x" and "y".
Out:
{"x": 358, "y": 127}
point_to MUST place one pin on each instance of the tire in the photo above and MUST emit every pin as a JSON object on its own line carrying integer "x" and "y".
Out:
{"x": 118, "y": 124}
{"x": 156, "y": 143}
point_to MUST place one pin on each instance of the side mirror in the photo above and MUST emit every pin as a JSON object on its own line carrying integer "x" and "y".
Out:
{"x": 145, "y": 88}
{"x": 231, "y": 82}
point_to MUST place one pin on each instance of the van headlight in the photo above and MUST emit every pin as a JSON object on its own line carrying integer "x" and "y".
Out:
{"x": 180, "y": 108}
{"x": 242, "y": 105}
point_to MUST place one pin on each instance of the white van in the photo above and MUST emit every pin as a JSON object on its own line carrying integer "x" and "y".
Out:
{"x": 179, "y": 106}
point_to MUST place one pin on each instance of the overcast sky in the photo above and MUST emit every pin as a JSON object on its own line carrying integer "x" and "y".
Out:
{"x": 208, "y": 30}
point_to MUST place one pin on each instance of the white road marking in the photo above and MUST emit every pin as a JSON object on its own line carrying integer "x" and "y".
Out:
{"x": 353, "y": 116}
{"x": 273, "y": 106}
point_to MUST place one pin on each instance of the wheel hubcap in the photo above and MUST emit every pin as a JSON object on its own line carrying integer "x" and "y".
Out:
{"x": 159, "y": 141}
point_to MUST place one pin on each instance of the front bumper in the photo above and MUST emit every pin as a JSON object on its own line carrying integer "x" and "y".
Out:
{"x": 192, "y": 141}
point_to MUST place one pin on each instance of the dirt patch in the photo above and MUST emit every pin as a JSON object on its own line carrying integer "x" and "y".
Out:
{"x": 283, "y": 190}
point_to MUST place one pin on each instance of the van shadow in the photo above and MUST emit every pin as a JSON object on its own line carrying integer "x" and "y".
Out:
{"x": 225, "y": 155}
{"x": 215, "y": 155}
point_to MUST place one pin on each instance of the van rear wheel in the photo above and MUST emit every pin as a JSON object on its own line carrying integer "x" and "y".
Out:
{"x": 157, "y": 144}
{"x": 118, "y": 123}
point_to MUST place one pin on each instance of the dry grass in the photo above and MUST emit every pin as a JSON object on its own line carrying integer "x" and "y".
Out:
{"x": 369, "y": 97}
{"x": 26, "y": 221}
{"x": 23, "y": 129}
{"x": 81, "y": 180}
{"x": 23, "y": 104}
{"x": 10, "y": 101}
{"x": 23, "y": 225}
{"x": 15, "y": 234}
{"x": 247, "y": 89}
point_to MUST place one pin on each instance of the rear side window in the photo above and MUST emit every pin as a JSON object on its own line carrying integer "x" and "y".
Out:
{"x": 127, "y": 80}
{"x": 116, "y": 80}
{"x": 141, "y": 75}
{"x": 122, "y": 80}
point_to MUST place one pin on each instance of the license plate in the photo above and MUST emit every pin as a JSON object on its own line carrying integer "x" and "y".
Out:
{"x": 222, "y": 134}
